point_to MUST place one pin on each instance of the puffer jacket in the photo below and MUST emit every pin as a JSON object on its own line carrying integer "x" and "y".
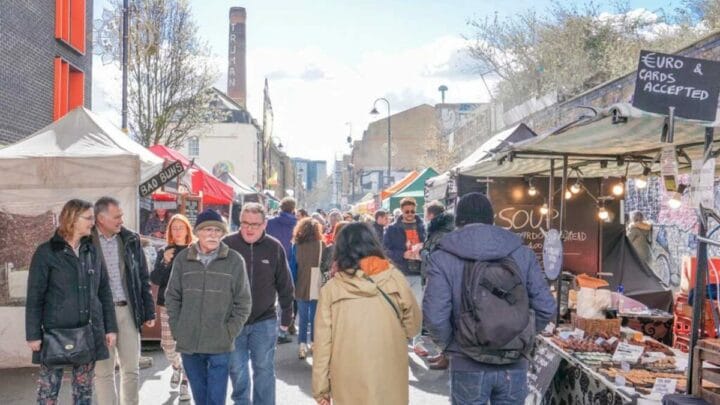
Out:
{"x": 207, "y": 305}
{"x": 161, "y": 272}
{"x": 360, "y": 345}
{"x": 58, "y": 293}
{"x": 281, "y": 228}
{"x": 443, "y": 291}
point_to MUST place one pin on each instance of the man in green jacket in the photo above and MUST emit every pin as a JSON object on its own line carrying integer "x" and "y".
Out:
{"x": 208, "y": 301}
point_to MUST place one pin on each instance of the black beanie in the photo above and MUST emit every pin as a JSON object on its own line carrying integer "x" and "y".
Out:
{"x": 474, "y": 208}
{"x": 210, "y": 217}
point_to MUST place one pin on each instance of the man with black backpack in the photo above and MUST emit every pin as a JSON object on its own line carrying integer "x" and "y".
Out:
{"x": 484, "y": 301}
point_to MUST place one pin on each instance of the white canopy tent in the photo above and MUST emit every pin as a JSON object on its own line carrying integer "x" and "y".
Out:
{"x": 81, "y": 155}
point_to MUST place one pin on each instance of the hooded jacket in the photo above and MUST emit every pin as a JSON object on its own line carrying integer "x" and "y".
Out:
{"x": 394, "y": 241}
{"x": 438, "y": 227}
{"x": 281, "y": 228}
{"x": 359, "y": 342}
{"x": 442, "y": 298}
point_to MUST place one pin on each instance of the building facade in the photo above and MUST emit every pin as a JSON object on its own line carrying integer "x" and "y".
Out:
{"x": 45, "y": 63}
{"x": 311, "y": 172}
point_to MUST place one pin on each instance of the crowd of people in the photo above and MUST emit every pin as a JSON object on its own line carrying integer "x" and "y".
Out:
{"x": 225, "y": 300}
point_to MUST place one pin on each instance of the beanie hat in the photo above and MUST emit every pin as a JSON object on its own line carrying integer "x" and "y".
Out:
{"x": 474, "y": 208}
{"x": 210, "y": 217}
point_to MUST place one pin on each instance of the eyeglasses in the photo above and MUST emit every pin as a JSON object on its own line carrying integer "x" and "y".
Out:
{"x": 408, "y": 212}
{"x": 88, "y": 217}
{"x": 251, "y": 225}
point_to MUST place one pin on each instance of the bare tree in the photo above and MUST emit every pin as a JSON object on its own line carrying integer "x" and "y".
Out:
{"x": 169, "y": 71}
{"x": 570, "y": 49}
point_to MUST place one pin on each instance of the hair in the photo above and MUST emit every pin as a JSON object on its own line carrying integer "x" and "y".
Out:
{"x": 303, "y": 212}
{"x": 354, "y": 242}
{"x": 334, "y": 217}
{"x": 435, "y": 207}
{"x": 287, "y": 204}
{"x": 638, "y": 216}
{"x": 306, "y": 230}
{"x": 319, "y": 218}
{"x": 68, "y": 216}
{"x": 407, "y": 201}
{"x": 340, "y": 225}
{"x": 183, "y": 220}
{"x": 380, "y": 213}
{"x": 254, "y": 208}
{"x": 103, "y": 203}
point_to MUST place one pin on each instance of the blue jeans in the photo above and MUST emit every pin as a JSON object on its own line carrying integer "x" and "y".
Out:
{"x": 507, "y": 387}
{"x": 306, "y": 318}
{"x": 208, "y": 377}
{"x": 256, "y": 343}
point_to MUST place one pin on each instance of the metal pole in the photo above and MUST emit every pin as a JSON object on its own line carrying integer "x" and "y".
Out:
{"x": 126, "y": 13}
{"x": 551, "y": 195}
{"x": 698, "y": 305}
{"x": 389, "y": 144}
{"x": 560, "y": 229}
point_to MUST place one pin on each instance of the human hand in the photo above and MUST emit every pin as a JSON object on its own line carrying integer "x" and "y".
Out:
{"x": 157, "y": 234}
{"x": 110, "y": 339}
{"x": 323, "y": 401}
{"x": 150, "y": 323}
{"x": 283, "y": 328}
{"x": 34, "y": 345}
{"x": 168, "y": 255}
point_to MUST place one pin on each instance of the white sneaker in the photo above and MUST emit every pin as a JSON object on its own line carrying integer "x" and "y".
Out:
{"x": 184, "y": 391}
{"x": 176, "y": 377}
{"x": 302, "y": 352}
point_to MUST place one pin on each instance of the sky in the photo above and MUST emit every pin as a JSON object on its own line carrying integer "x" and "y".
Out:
{"x": 327, "y": 61}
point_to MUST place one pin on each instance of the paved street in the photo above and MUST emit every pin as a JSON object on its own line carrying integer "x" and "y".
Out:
{"x": 293, "y": 379}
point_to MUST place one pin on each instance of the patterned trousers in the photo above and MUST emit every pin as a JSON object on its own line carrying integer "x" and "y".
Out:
{"x": 166, "y": 339}
{"x": 50, "y": 379}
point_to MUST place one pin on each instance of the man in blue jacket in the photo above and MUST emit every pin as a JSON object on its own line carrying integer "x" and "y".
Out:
{"x": 281, "y": 227}
{"x": 403, "y": 235}
{"x": 475, "y": 239}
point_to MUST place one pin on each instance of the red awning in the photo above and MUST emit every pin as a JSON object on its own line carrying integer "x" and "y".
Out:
{"x": 214, "y": 191}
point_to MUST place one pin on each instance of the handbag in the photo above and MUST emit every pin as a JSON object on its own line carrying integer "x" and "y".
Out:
{"x": 70, "y": 346}
{"x": 316, "y": 278}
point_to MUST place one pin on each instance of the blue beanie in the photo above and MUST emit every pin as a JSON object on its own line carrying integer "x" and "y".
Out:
{"x": 210, "y": 217}
{"x": 474, "y": 208}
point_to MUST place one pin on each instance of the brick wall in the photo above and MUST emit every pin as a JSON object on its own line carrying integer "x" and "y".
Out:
{"x": 27, "y": 51}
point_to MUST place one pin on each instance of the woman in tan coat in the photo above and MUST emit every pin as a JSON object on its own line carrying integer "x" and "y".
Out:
{"x": 365, "y": 316}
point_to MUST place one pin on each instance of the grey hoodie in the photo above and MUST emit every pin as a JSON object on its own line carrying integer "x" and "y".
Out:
{"x": 207, "y": 305}
{"x": 442, "y": 299}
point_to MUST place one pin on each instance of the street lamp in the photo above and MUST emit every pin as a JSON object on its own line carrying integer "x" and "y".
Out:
{"x": 374, "y": 111}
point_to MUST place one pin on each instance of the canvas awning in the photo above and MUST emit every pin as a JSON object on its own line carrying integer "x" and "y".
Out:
{"x": 399, "y": 185}
{"x": 238, "y": 186}
{"x": 618, "y": 132}
{"x": 415, "y": 189}
{"x": 214, "y": 191}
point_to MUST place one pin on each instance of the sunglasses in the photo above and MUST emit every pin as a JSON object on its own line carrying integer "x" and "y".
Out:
{"x": 408, "y": 212}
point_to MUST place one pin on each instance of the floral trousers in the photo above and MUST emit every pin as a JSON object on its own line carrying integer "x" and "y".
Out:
{"x": 50, "y": 379}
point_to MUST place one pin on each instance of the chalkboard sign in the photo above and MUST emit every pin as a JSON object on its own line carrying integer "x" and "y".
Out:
{"x": 190, "y": 206}
{"x": 552, "y": 254}
{"x": 688, "y": 84}
{"x": 544, "y": 365}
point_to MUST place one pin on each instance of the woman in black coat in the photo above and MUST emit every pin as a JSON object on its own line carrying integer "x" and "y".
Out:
{"x": 59, "y": 296}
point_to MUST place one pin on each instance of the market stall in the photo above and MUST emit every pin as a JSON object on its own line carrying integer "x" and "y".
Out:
{"x": 414, "y": 189}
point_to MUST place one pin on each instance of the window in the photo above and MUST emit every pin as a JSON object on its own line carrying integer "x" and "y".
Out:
{"x": 69, "y": 91}
{"x": 70, "y": 23}
{"x": 193, "y": 146}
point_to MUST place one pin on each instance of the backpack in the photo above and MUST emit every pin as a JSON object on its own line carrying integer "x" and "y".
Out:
{"x": 496, "y": 324}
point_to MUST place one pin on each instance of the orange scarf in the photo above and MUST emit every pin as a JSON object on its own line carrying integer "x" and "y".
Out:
{"x": 372, "y": 265}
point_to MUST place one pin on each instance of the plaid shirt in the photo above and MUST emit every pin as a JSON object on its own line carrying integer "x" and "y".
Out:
{"x": 111, "y": 253}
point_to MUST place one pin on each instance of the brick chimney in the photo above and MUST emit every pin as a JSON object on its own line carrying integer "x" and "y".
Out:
{"x": 236, "y": 80}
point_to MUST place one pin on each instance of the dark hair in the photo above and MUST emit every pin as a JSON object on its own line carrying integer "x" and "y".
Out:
{"x": 307, "y": 229}
{"x": 380, "y": 213}
{"x": 435, "y": 207}
{"x": 303, "y": 212}
{"x": 408, "y": 201}
{"x": 102, "y": 204}
{"x": 354, "y": 242}
{"x": 287, "y": 204}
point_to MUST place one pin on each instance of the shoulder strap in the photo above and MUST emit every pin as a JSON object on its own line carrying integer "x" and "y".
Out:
{"x": 389, "y": 301}
{"x": 320, "y": 249}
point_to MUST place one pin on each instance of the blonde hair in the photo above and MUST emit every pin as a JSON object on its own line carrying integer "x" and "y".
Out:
{"x": 189, "y": 238}
{"x": 69, "y": 215}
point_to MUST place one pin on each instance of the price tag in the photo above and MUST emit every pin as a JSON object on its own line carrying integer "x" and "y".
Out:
{"x": 599, "y": 341}
{"x": 624, "y": 366}
{"x": 628, "y": 353}
{"x": 612, "y": 340}
{"x": 619, "y": 380}
{"x": 664, "y": 386}
{"x": 579, "y": 333}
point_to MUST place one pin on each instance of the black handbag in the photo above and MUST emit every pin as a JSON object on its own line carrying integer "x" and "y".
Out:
{"x": 71, "y": 346}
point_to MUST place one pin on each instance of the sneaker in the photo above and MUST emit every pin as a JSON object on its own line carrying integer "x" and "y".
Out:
{"x": 439, "y": 363}
{"x": 184, "y": 391}
{"x": 175, "y": 379}
{"x": 292, "y": 329}
{"x": 302, "y": 352}
{"x": 283, "y": 338}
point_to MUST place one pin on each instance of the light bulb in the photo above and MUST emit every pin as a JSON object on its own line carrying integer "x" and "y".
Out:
{"x": 674, "y": 202}
{"x": 575, "y": 188}
{"x": 618, "y": 189}
{"x": 641, "y": 182}
{"x": 532, "y": 191}
{"x": 603, "y": 214}
{"x": 568, "y": 194}
{"x": 544, "y": 209}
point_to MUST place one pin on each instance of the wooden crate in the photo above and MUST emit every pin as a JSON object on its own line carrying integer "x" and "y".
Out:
{"x": 594, "y": 326}
{"x": 706, "y": 380}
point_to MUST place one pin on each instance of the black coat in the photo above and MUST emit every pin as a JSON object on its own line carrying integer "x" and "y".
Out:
{"x": 58, "y": 293}
{"x": 161, "y": 272}
{"x": 136, "y": 276}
